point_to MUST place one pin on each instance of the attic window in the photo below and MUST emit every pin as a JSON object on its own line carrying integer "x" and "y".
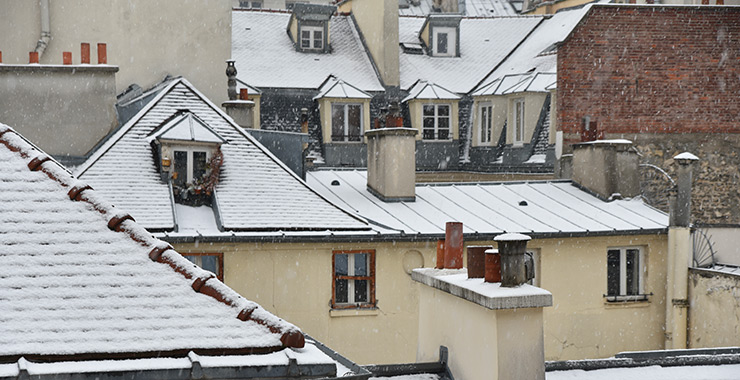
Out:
{"x": 552, "y": 49}
{"x": 444, "y": 42}
{"x": 312, "y": 37}
{"x": 412, "y": 48}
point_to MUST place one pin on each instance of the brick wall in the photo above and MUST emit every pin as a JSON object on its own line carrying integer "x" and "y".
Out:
{"x": 667, "y": 78}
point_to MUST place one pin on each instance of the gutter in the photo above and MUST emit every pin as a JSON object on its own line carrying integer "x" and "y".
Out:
{"x": 45, "y": 36}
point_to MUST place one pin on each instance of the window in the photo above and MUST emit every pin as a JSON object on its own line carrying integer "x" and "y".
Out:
{"x": 250, "y": 4}
{"x": 486, "y": 111}
{"x": 346, "y": 122}
{"x": 353, "y": 279}
{"x": 289, "y": 5}
{"x": 444, "y": 40}
{"x": 190, "y": 164}
{"x": 312, "y": 37}
{"x": 212, "y": 262}
{"x": 518, "y": 120}
{"x": 624, "y": 274}
{"x": 436, "y": 122}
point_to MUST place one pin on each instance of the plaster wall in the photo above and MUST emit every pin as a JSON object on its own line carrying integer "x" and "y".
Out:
{"x": 714, "y": 309}
{"x": 64, "y": 110}
{"x": 146, "y": 39}
{"x": 533, "y": 102}
{"x": 724, "y": 241}
{"x": 416, "y": 107}
{"x": 500, "y": 110}
{"x": 378, "y": 22}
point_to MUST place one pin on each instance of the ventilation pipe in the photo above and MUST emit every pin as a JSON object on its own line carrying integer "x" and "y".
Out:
{"x": 231, "y": 81}
{"x": 43, "y": 41}
{"x": 513, "y": 248}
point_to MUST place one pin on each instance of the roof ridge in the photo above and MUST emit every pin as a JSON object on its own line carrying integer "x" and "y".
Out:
{"x": 203, "y": 281}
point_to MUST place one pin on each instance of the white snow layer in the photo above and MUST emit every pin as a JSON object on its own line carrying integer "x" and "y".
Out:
{"x": 708, "y": 372}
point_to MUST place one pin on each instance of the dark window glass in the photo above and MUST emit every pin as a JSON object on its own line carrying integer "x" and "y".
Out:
{"x": 180, "y": 175}
{"x": 341, "y": 294}
{"x": 612, "y": 269}
{"x": 361, "y": 264}
{"x": 305, "y": 38}
{"x": 210, "y": 263}
{"x": 354, "y": 122}
{"x": 199, "y": 165}
{"x": 429, "y": 110}
{"x": 443, "y": 110}
{"x": 337, "y": 122}
{"x": 318, "y": 39}
{"x": 340, "y": 265}
{"x": 257, "y": 4}
{"x": 361, "y": 291}
{"x": 442, "y": 43}
{"x": 633, "y": 272}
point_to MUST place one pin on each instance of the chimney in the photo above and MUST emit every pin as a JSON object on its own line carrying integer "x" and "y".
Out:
{"x": 231, "y": 82}
{"x": 85, "y": 53}
{"x": 440, "y": 254}
{"x": 33, "y": 57}
{"x": 238, "y": 107}
{"x": 477, "y": 260}
{"x": 102, "y": 54}
{"x": 67, "y": 57}
{"x": 391, "y": 163}
{"x": 453, "y": 245}
{"x": 513, "y": 248}
{"x": 681, "y": 217}
{"x": 608, "y": 168}
{"x": 493, "y": 266}
{"x": 378, "y": 24}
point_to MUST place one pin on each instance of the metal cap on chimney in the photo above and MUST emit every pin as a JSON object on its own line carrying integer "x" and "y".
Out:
{"x": 682, "y": 206}
{"x": 512, "y": 248}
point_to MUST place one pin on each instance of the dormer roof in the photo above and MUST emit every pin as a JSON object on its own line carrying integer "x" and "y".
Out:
{"x": 185, "y": 126}
{"x": 426, "y": 90}
{"x": 510, "y": 84}
{"x": 339, "y": 89}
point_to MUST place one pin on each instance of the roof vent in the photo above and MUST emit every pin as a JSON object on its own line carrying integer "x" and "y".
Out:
{"x": 335, "y": 182}
{"x": 523, "y": 203}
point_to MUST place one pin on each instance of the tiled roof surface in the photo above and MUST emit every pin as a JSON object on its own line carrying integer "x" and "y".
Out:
{"x": 255, "y": 191}
{"x": 74, "y": 282}
{"x": 265, "y": 55}
{"x": 484, "y": 43}
{"x": 551, "y": 207}
{"x": 473, "y": 8}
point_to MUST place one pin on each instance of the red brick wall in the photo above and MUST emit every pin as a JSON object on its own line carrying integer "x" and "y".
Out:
{"x": 652, "y": 70}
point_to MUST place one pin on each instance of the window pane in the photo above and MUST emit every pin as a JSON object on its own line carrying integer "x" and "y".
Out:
{"x": 337, "y": 122}
{"x": 340, "y": 265}
{"x": 192, "y": 259}
{"x": 612, "y": 272}
{"x": 429, "y": 110}
{"x": 340, "y": 294}
{"x": 199, "y": 165}
{"x": 443, "y": 128}
{"x": 361, "y": 264}
{"x": 443, "y": 110}
{"x": 305, "y": 38}
{"x": 180, "y": 175}
{"x": 354, "y": 122}
{"x": 428, "y": 134}
{"x": 318, "y": 39}
{"x": 442, "y": 43}
{"x": 633, "y": 272}
{"x": 210, "y": 263}
{"x": 361, "y": 291}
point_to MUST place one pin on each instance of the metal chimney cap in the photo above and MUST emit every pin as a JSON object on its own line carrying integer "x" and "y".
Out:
{"x": 685, "y": 158}
{"x": 512, "y": 237}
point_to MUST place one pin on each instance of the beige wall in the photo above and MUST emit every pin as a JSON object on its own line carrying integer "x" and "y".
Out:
{"x": 146, "y": 39}
{"x": 500, "y": 111}
{"x": 533, "y": 102}
{"x": 553, "y": 115}
{"x": 714, "y": 311}
{"x": 416, "y": 108}
{"x": 294, "y": 281}
{"x": 482, "y": 343}
{"x": 378, "y": 22}
{"x": 325, "y": 113}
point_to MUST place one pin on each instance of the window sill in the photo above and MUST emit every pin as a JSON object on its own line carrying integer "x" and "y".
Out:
{"x": 627, "y": 302}
{"x": 438, "y": 141}
{"x": 356, "y": 312}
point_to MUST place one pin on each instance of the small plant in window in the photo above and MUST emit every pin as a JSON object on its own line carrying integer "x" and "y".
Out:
{"x": 205, "y": 174}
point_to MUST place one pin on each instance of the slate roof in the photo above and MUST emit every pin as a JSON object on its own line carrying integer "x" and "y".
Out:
{"x": 426, "y": 90}
{"x": 79, "y": 280}
{"x": 484, "y": 43}
{"x": 473, "y": 8}
{"x": 256, "y": 191}
{"x": 552, "y": 208}
{"x": 266, "y": 58}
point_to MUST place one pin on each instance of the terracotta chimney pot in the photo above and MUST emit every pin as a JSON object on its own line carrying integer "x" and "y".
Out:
{"x": 244, "y": 94}
{"x": 440, "y": 254}
{"x": 85, "y": 53}
{"x": 453, "y": 245}
{"x": 477, "y": 261}
{"x": 102, "y": 54}
{"x": 67, "y": 57}
{"x": 33, "y": 57}
{"x": 493, "y": 266}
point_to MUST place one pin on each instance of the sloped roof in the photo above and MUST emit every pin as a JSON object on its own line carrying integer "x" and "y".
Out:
{"x": 337, "y": 88}
{"x": 484, "y": 43}
{"x": 256, "y": 191}
{"x": 514, "y": 83}
{"x": 552, "y": 208}
{"x": 426, "y": 90}
{"x": 187, "y": 127}
{"x": 266, "y": 58}
{"x": 79, "y": 280}
{"x": 473, "y": 8}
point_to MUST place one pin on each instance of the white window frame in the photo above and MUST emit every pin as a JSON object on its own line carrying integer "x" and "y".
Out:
{"x": 485, "y": 125}
{"x": 518, "y": 124}
{"x": 345, "y": 106}
{"x": 190, "y": 161}
{"x": 369, "y": 278}
{"x": 451, "y": 33}
{"x": 312, "y": 32}
{"x": 623, "y": 291}
{"x": 436, "y": 118}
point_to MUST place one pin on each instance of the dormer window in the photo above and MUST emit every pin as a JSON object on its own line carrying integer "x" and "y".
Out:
{"x": 444, "y": 41}
{"x": 441, "y": 35}
{"x": 312, "y": 37}
{"x": 308, "y": 27}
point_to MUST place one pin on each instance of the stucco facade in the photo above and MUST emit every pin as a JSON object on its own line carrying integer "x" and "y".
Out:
{"x": 714, "y": 300}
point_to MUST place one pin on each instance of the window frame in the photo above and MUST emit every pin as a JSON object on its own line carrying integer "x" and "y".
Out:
{"x": 199, "y": 255}
{"x": 451, "y": 33}
{"x": 345, "y": 127}
{"x": 485, "y": 131}
{"x": 519, "y": 118}
{"x": 623, "y": 289}
{"x": 436, "y": 118}
{"x": 312, "y": 29}
{"x": 190, "y": 160}
{"x": 372, "y": 302}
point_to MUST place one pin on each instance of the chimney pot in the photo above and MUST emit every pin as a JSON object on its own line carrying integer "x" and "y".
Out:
{"x": 453, "y": 245}
{"x": 231, "y": 81}
{"x": 67, "y": 57}
{"x": 440, "y": 254}
{"x": 1, "y": 56}
{"x": 33, "y": 57}
{"x": 102, "y": 54}
{"x": 244, "y": 94}
{"x": 493, "y": 266}
{"x": 682, "y": 207}
{"x": 477, "y": 261}
{"x": 85, "y": 53}
{"x": 513, "y": 248}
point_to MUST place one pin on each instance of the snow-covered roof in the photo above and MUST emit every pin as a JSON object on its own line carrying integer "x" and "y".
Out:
{"x": 426, "y": 90}
{"x": 187, "y": 127}
{"x": 472, "y": 8}
{"x": 79, "y": 279}
{"x": 256, "y": 191}
{"x": 515, "y": 83}
{"x": 484, "y": 43}
{"x": 545, "y": 208}
{"x": 266, "y": 58}
{"x": 538, "y": 52}
{"x": 337, "y": 88}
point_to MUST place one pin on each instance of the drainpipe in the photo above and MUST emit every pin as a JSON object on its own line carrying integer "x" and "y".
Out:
{"x": 679, "y": 256}
{"x": 43, "y": 41}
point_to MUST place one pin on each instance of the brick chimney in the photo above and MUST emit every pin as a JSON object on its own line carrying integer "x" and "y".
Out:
{"x": 391, "y": 163}
{"x": 608, "y": 168}
{"x": 513, "y": 248}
